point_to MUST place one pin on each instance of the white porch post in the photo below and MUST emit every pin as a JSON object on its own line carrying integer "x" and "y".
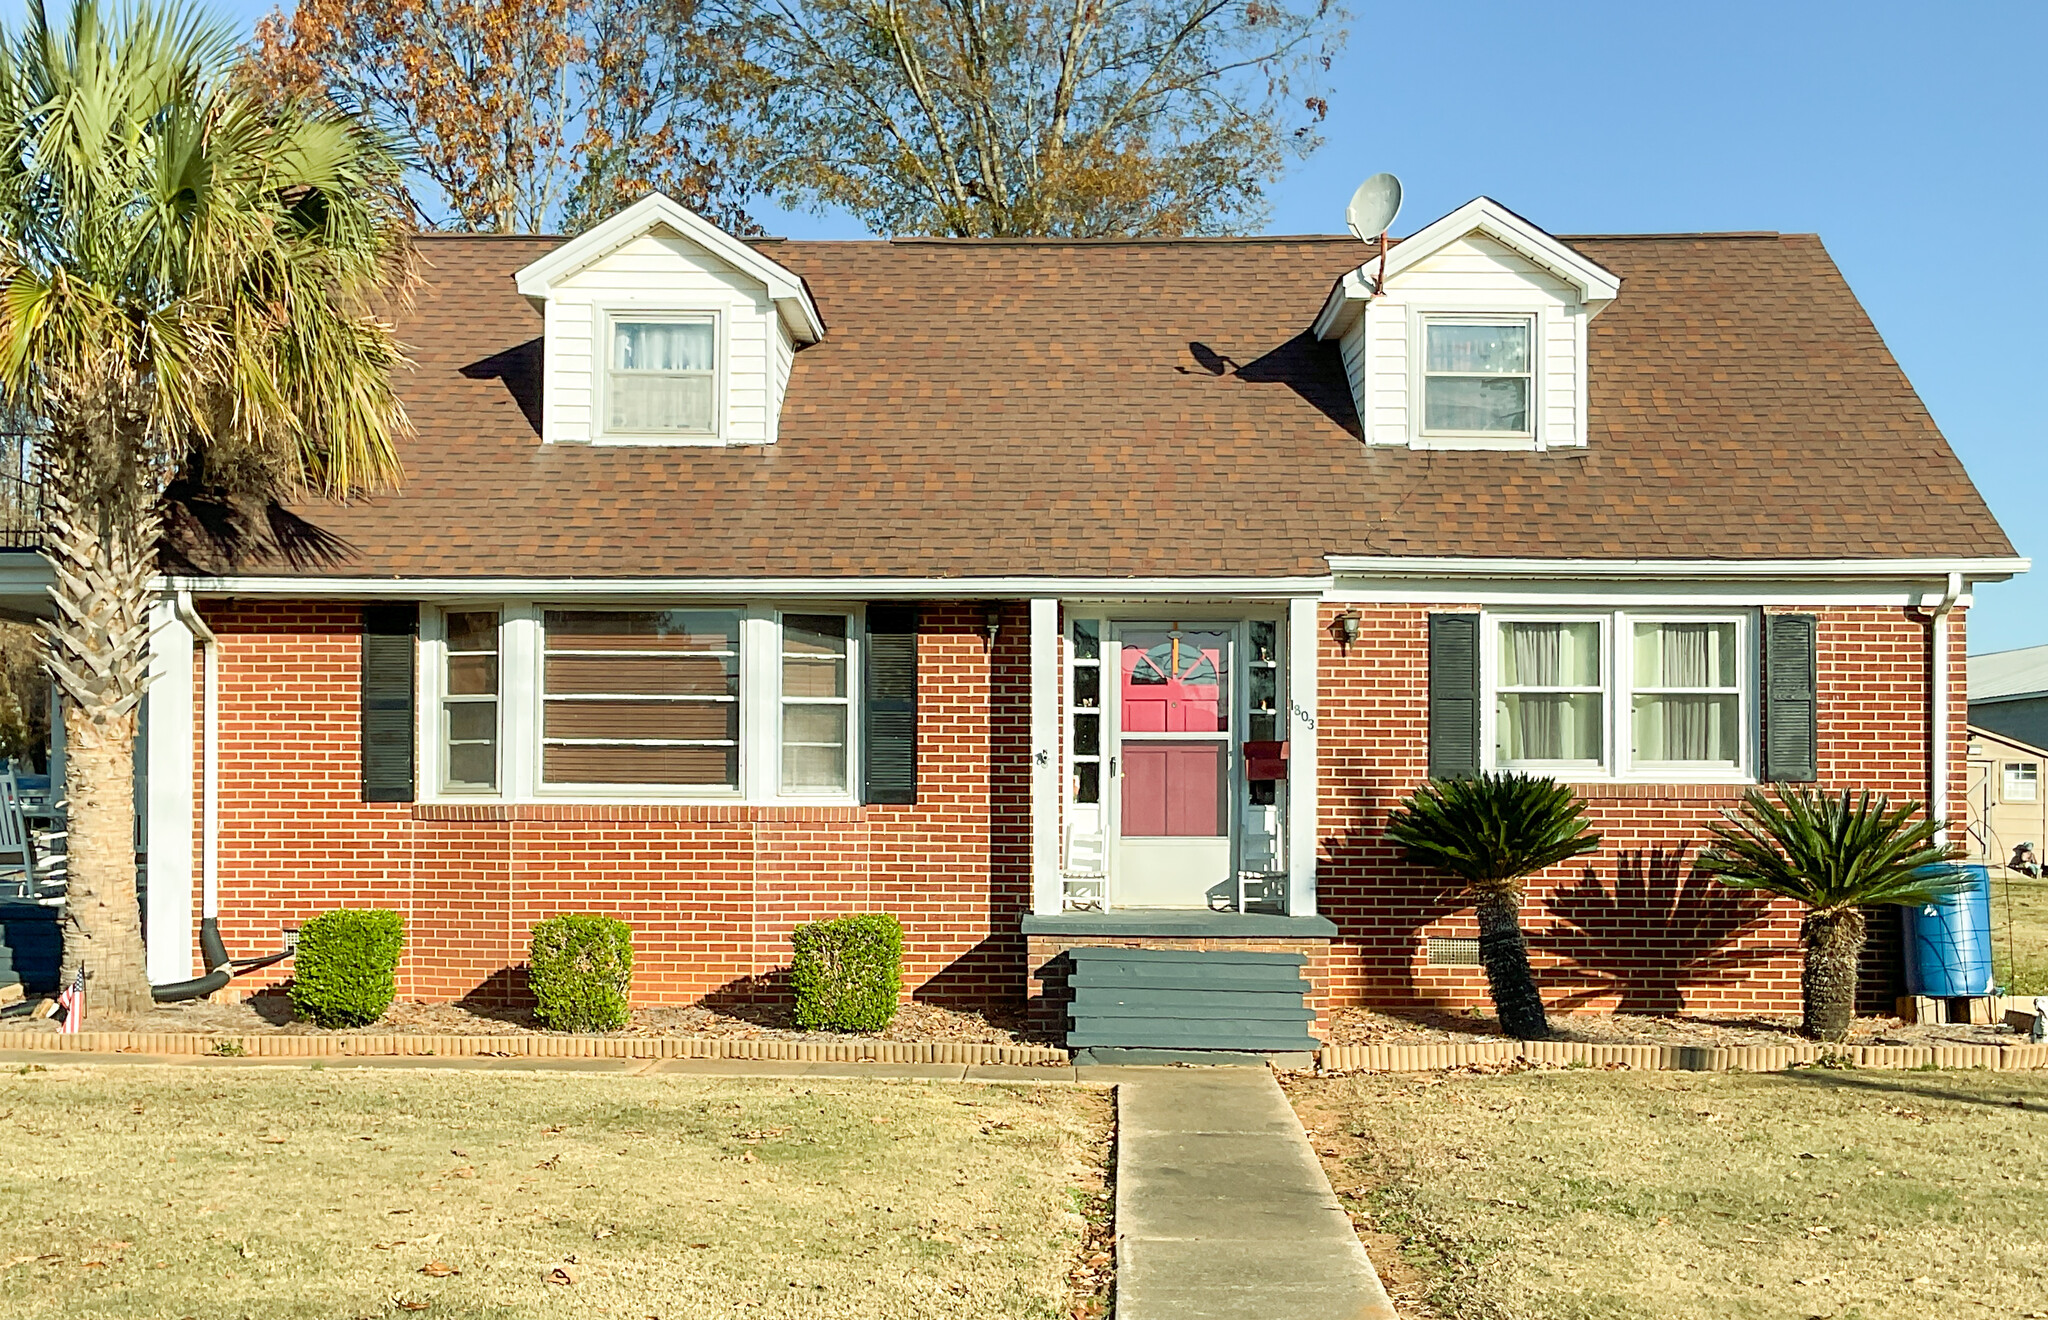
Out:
{"x": 168, "y": 777}
{"x": 1046, "y": 888}
{"x": 1304, "y": 787}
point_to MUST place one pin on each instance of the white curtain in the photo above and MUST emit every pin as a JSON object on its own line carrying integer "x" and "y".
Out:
{"x": 1682, "y": 727}
{"x": 662, "y": 346}
{"x": 1549, "y": 726}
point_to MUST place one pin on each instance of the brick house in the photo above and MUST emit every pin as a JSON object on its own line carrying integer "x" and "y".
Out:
{"x": 1049, "y": 593}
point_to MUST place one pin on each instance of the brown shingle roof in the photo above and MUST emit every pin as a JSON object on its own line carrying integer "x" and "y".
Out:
{"x": 1159, "y": 409}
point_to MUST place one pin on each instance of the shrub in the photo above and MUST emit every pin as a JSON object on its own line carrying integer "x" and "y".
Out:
{"x": 846, "y": 972}
{"x": 343, "y": 973}
{"x": 581, "y": 971}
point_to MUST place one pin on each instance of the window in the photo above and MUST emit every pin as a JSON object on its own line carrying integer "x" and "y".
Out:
{"x": 663, "y": 377}
{"x": 641, "y": 697}
{"x": 1688, "y": 694}
{"x": 815, "y": 704}
{"x": 1550, "y": 696}
{"x": 469, "y": 702}
{"x": 2022, "y": 781}
{"x": 1477, "y": 376}
{"x": 1622, "y": 694}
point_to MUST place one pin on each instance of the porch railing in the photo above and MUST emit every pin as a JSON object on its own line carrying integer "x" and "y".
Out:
{"x": 21, "y": 494}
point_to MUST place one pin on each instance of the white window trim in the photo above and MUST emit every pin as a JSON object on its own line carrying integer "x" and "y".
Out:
{"x": 434, "y": 696}
{"x": 1618, "y": 764}
{"x": 610, "y": 313}
{"x": 1532, "y": 402}
{"x": 2006, "y": 778}
{"x": 856, "y": 621}
{"x": 521, "y": 649}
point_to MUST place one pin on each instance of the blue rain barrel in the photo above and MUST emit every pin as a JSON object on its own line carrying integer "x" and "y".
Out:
{"x": 1948, "y": 942}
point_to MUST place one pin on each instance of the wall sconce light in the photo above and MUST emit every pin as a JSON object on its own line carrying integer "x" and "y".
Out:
{"x": 1349, "y": 623}
{"x": 992, "y": 620}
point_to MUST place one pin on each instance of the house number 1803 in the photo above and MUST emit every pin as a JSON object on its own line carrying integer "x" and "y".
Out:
{"x": 1303, "y": 713}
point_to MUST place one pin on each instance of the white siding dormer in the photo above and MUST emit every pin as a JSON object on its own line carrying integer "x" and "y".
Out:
{"x": 1505, "y": 307}
{"x": 661, "y": 329}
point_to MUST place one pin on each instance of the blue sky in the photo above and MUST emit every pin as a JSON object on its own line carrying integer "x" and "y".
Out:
{"x": 1902, "y": 134}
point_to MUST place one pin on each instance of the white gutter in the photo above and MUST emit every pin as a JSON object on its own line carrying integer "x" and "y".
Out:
{"x": 1479, "y": 566}
{"x": 209, "y": 759}
{"x": 1937, "y": 722}
{"x": 845, "y": 588}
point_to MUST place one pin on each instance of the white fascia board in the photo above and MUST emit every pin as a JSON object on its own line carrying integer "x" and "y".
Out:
{"x": 785, "y": 287}
{"x": 1395, "y": 566}
{"x": 1343, "y": 307}
{"x": 2008, "y": 696}
{"x": 362, "y": 588}
{"x": 1597, "y": 285}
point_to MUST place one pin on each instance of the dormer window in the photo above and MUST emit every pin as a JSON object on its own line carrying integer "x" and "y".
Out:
{"x": 663, "y": 377}
{"x": 1477, "y": 376}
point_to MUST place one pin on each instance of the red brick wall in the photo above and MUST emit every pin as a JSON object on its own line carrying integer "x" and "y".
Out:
{"x": 712, "y": 891}
{"x": 1631, "y": 927}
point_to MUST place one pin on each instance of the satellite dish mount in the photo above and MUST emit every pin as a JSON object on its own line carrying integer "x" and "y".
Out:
{"x": 1373, "y": 208}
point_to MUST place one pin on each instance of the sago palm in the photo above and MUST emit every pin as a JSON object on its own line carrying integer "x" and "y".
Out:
{"x": 188, "y": 279}
{"x": 1834, "y": 855}
{"x": 1492, "y": 832}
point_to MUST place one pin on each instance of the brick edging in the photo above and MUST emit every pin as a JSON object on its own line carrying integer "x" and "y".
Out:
{"x": 557, "y": 1047}
{"x": 1676, "y": 1058}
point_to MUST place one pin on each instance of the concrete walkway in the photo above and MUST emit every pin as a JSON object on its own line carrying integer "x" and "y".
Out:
{"x": 1222, "y": 1210}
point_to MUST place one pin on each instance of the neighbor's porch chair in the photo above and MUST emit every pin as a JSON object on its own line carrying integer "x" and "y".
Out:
{"x": 24, "y": 874}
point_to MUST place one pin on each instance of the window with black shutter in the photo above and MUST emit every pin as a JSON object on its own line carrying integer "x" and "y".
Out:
{"x": 388, "y": 697}
{"x": 1791, "y": 736}
{"x": 1453, "y": 695}
{"x": 889, "y": 706}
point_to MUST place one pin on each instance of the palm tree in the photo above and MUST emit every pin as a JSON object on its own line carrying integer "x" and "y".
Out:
{"x": 1491, "y": 832}
{"x": 188, "y": 286}
{"x": 1834, "y": 856}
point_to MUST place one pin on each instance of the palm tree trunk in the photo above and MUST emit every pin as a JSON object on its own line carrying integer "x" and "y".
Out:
{"x": 1827, "y": 984}
{"x": 1505, "y": 956}
{"x": 98, "y": 653}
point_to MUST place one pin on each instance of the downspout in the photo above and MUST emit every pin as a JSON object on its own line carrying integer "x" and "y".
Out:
{"x": 1937, "y": 722}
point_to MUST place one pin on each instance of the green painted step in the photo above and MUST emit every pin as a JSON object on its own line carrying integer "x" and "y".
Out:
{"x": 1209, "y": 957}
{"x": 1188, "y": 999}
{"x": 1153, "y": 998}
{"x": 1099, "y": 977}
{"x": 1167, "y": 1035}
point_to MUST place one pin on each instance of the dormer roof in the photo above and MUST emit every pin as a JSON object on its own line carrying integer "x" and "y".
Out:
{"x": 1596, "y": 285}
{"x": 655, "y": 213}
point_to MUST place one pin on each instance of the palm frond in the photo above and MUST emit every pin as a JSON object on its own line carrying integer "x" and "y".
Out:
{"x": 1491, "y": 830}
{"x": 1832, "y": 852}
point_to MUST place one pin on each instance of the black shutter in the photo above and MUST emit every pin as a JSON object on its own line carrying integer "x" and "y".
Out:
{"x": 1791, "y": 727}
{"x": 1453, "y": 695}
{"x": 388, "y": 700}
{"x": 889, "y": 705}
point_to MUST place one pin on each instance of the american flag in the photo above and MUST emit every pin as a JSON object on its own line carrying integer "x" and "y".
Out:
{"x": 72, "y": 1001}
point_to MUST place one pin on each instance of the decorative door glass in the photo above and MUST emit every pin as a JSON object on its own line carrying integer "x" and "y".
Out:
{"x": 1174, "y": 722}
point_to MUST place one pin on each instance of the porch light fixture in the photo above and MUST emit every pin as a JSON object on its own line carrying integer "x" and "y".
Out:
{"x": 1349, "y": 624}
{"x": 992, "y": 621}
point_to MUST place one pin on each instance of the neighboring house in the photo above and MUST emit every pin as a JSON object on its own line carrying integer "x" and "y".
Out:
{"x": 1051, "y": 592}
{"x": 2007, "y": 805}
{"x": 2009, "y": 693}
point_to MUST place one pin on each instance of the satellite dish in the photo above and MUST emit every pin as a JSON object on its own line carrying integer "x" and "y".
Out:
{"x": 1373, "y": 207}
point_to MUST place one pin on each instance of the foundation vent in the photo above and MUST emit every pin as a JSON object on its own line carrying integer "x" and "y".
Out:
{"x": 1452, "y": 952}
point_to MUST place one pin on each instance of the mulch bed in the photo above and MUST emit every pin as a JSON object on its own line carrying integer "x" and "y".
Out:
{"x": 271, "y": 1014}
{"x": 1364, "y": 1026}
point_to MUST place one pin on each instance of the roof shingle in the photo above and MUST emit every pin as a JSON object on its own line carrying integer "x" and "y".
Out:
{"x": 1158, "y": 408}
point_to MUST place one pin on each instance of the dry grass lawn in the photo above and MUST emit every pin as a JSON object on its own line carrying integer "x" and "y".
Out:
{"x": 334, "y": 1193}
{"x": 2019, "y": 931}
{"x": 1816, "y": 1193}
